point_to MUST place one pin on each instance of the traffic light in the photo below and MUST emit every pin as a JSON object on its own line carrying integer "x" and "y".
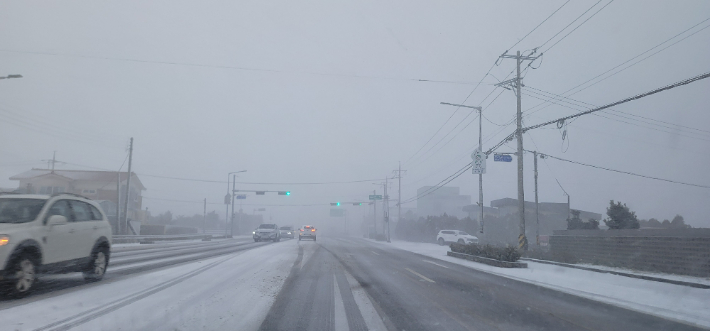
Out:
{"x": 357, "y": 204}
{"x": 260, "y": 192}
{"x": 284, "y": 192}
{"x": 335, "y": 203}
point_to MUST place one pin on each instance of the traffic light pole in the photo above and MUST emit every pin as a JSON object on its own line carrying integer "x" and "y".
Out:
{"x": 480, "y": 148}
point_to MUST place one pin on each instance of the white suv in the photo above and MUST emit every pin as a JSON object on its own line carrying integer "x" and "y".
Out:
{"x": 42, "y": 234}
{"x": 455, "y": 236}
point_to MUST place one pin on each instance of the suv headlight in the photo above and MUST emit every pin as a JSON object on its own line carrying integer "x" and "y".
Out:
{"x": 4, "y": 240}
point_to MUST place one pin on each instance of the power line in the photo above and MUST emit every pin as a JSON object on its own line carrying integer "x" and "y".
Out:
{"x": 259, "y": 183}
{"x": 535, "y": 28}
{"x": 452, "y": 115}
{"x": 622, "y": 121}
{"x": 618, "y": 113}
{"x": 568, "y": 25}
{"x": 532, "y": 109}
{"x": 625, "y": 172}
{"x": 200, "y": 65}
{"x": 243, "y": 204}
{"x": 585, "y": 21}
{"x": 636, "y": 97}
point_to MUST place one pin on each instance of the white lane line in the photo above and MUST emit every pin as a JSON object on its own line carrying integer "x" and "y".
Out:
{"x": 373, "y": 252}
{"x": 420, "y": 275}
{"x": 341, "y": 319}
{"x": 432, "y": 262}
{"x": 364, "y": 304}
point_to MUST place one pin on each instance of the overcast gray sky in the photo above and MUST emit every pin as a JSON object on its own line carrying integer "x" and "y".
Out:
{"x": 322, "y": 91}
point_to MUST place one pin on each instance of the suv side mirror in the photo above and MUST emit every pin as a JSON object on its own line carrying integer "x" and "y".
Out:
{"x": 56, "y": 220}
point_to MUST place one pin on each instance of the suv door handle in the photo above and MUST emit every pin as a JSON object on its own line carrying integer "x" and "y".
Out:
{"x": 96, "y": 227}
{"x": 72, "y": 231}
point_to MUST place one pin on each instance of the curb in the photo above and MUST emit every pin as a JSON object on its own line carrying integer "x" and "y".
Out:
{"x": 485, "y": 260}
{"x": 625, "y": 274}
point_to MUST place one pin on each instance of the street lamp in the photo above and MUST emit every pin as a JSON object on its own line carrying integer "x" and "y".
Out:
{"x": 226, "y": 202}
{"x": 11, "y": 76}
{"x": 480, "y": 150}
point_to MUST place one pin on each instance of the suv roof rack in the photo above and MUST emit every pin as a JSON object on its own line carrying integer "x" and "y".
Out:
{"x": 68, "y": 193}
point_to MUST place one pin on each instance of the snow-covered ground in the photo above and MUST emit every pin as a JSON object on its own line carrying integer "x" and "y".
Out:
{"x": 232, "y": 292}
{"x": 675, "y": 302}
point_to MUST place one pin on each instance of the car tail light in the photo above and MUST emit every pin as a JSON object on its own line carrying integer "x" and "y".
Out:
{"x": 313, "y": 230}
{"x": 301, "y": 230}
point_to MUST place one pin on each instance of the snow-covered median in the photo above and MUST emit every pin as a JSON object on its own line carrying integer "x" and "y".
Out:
{"x": 676, "y": 302}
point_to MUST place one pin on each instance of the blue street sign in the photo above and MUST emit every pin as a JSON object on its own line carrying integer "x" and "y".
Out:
{"x": 241, "y": 196}
{"x": 502, "y": 158}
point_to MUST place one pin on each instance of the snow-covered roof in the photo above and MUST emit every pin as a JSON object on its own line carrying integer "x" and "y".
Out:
{"x": 81, "y": 175}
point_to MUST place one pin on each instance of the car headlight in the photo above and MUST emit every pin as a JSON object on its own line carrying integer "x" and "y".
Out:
{"x": 253, "y": 232}
{"x": 4, "y": 240}
{"x": 288, "y": 232}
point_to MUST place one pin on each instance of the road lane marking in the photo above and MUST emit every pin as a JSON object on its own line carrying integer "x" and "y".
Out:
{"x": 420, "y": 275}
{"x": 364, "y": 304}
{"x": 341, "y": 319}
{"x": 373, "y": 252}
{"x": 432, "y": 262}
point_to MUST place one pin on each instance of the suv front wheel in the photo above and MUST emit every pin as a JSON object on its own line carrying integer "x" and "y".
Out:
{"x": 97, "y": 266}
{"x": 20, "y": 277}
{"x": 441, "y": 241}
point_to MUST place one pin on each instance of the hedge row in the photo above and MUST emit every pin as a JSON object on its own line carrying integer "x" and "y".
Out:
{"x": 508, "y": 253}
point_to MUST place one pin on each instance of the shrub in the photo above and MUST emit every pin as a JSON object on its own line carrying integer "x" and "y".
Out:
{"x": 507, "y": 253}
{"x": 620, "y": 217}
{"x": 576, "y": 223}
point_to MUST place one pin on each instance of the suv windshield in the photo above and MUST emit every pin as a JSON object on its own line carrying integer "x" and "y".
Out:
{"x": 463, "y": 233}
{"x": 285, "y": 228}
{"x": 267, "y": 226}
{"x": 20, "y": 210}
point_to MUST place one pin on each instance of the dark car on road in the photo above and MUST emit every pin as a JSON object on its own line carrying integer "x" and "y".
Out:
{"x": 287, "y": 232}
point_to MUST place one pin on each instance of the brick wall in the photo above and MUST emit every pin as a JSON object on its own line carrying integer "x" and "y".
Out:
{"x": 681, "y": 251}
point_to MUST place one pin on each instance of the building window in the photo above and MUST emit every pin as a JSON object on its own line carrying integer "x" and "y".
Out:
{"x": 51, "y": 189}
{"x": 85, "y": 191}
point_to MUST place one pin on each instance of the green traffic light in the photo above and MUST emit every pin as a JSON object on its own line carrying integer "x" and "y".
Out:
{"x": 288, "y": 192}
{"x": 337, "y": 203}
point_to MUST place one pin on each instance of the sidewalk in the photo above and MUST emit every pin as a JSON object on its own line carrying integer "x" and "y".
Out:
{"x": 670, "y": 301}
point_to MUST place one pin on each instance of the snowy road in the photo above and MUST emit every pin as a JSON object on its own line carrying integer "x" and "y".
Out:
{"x": 333, "y": 284}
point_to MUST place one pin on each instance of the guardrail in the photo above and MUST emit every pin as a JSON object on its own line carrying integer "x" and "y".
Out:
{"x": 149, "y": 239}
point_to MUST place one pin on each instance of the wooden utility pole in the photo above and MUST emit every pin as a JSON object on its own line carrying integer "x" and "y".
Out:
{"x": 128, "y": 189}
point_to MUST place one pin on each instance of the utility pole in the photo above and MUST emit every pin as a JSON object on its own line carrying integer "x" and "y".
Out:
{"x": 537, "y": 207}
{"x": 374, "y": 213}
{"x": 399, "y": 191}
{"x": 231, "y": 225}
{"x": 522, "y": 239}
{"x": 118, "y": 203}
{"x": 386, "y": 208}
{"x": 226, "y": 202}
{"x": 480, "y": 149}
{"x": 128, "y": 188}
{"x": 204, "y": 216}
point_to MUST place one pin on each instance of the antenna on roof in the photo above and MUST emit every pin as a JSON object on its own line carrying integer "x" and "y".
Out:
{"x": 53, "y": 161}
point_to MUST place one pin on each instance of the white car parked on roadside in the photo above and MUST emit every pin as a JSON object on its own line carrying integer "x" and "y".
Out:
{"x": 41, "y": 234}
{"x": 455, "y": 236}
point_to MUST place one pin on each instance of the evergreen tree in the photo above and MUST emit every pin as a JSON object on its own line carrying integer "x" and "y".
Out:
{"x": 620, "y": 217}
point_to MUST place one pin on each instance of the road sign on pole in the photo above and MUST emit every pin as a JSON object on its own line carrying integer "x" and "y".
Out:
{"x": 502, "y": 158}
{"x": 479, "y": 162}
{"x": 241, "y": 196}
{"x": 375, "y": 197}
